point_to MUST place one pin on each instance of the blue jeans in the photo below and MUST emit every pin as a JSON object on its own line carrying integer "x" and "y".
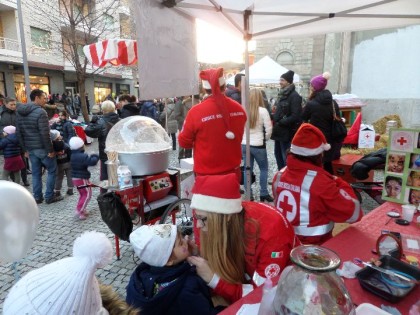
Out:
{"x": 280, "y": 153}
{"x": 39, "y": 158}
{"x": 259, "y": 155}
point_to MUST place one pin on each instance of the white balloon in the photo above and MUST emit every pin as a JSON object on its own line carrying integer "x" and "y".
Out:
{"x": 19, "y": 218}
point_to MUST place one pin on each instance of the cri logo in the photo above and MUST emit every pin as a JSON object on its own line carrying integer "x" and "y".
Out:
{"x": 287, "y": 204}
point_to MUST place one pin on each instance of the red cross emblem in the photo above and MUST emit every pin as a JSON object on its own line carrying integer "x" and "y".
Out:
{"x": 402, "y": 141}
{"x": 272, "y": 270}
{"x": 367, "y": 136}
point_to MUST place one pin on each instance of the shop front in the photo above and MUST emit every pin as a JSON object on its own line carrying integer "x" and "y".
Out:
{"x": 36, "y": 82}
{"x": 101, "y": 91}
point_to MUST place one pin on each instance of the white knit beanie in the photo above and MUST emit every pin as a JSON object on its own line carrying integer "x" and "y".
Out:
{"x": 153, "y": 244}
{"x": 76, "y": 143}
{"x": 9, "y": 129}
{"x": 66, "y": 286}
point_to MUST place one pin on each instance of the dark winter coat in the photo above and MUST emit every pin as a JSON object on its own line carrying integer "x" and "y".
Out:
{"x": 287, "y": 117}
{"x": 129, "y": 110}
{"x": 65, "y": 128}
{"x": 99, "y": 128}
{"x": 7, "y": 117}
{"x": 319, "y": 112}
{"x": 10, "y": 146}
{"x": 80, "y": 162}
{"x": 150, "y": 110}
{"x": 185, "y": 294}
{"x": 32, "y": 128}
{"x": 234, "y": 94}
{"x": 62, "y": 151}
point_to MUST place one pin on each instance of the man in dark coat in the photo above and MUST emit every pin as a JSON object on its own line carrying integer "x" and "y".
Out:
{"x": 235, "y": 92}
{"x": 33, "y": 131}
{"x": 286, "y": 118}
{"x": 128, "y": 108}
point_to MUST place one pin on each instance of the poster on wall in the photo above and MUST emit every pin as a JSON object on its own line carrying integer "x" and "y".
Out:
{"x": 402, "y": 168}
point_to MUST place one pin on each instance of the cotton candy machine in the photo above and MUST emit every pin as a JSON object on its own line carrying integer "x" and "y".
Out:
{"x": 142, "y": 144}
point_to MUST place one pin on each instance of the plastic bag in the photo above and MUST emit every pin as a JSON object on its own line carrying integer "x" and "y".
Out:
{"x": 115, "y": 215}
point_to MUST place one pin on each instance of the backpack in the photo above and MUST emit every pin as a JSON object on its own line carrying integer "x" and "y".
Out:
{"x": 149, "y": 110}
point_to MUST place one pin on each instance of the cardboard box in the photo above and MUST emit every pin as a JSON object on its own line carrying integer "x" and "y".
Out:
{"x": 342, "y": 166}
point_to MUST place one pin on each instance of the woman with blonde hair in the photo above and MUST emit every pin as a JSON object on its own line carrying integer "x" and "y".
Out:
{"x": 260, "y": 130}
{"x": 241, "y": 243}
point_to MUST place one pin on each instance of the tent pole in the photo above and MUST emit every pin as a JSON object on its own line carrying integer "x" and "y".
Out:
{"x": 245, "y": 102}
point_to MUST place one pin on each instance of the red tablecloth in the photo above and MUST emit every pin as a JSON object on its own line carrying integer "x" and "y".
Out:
{"x": 357, "y": 241}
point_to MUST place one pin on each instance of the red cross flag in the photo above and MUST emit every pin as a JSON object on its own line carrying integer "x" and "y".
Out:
{"x": 117, "y": 52}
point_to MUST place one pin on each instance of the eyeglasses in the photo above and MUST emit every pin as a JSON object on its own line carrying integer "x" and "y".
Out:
{"x": 202, "y": 220}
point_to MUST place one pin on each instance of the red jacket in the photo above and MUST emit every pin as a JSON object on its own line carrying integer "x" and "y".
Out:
{"x": 267, "y": 249}
{"x": 312, "y": 200}
{"x": 204, "y": 130}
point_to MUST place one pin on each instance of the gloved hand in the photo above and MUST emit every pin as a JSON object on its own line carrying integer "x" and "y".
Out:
{"x": 94, "y": 119}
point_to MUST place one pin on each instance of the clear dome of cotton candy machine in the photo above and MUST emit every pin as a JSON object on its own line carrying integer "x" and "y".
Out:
{"x": 142, "y": 144}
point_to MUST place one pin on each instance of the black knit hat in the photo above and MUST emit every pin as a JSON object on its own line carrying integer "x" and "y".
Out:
{"x": 288, "y": 76}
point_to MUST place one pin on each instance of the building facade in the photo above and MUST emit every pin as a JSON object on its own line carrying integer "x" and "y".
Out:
{"x": 49, "y": 69}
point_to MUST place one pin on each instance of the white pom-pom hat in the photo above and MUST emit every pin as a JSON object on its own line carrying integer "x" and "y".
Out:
{"x": 76, "y": 143}
{"x": 66, "y": 286}
{"x": 309, "y": 141}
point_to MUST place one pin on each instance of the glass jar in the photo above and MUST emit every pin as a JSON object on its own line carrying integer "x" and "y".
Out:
{"x": 311, "y": 286}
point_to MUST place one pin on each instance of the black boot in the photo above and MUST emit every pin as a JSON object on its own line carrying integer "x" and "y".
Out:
{"x": 267, "y": 198}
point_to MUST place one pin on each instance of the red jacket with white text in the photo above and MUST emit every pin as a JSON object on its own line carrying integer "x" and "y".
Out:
{"x": 204, "y": 130}
{"x": 271, "y": 238}
{"x": 312, "y": 200}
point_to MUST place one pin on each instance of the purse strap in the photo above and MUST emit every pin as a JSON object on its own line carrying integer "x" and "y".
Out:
{"x": 334, "y": 114}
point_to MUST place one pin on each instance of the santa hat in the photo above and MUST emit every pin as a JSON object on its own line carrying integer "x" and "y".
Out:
{"x": 76, "y": 143}
{"x": 217, "y": 193}
{"x": 208, "y": 75}
{"x": 154, "y": 244}
{"x": 320, "y": 81}
{"x": 66, "y": 286}
{"x": 309, "y": 141}
{"x": 54, "y": 134}
{"x": 213, "y": 79}
{"x": 288, "y": 76}
{"x": 9, "y": 129}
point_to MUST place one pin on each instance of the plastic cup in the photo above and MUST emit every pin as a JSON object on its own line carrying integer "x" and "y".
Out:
{"x": 408, "y": 212}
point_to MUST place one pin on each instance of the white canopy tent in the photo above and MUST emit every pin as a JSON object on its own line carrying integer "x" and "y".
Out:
{"x": 258, "y": 19}
{"x": 265, "y": 71}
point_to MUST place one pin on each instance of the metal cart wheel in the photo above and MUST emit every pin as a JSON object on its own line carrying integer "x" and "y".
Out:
{"x": 179, "y": 213}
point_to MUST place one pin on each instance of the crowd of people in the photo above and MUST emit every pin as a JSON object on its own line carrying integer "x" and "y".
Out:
{"x": 237, "y": 244}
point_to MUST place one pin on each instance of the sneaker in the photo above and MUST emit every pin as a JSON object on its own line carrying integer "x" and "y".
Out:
{"x": 70, "y": 192}
{"x": 38, "y": 201}
{"x": 26, "y": 184}
{"x": 54, "y": 199}
{"x": 57, "y": 194}
{"x": 82, "y": 216}
{"x": 267, "y": 198}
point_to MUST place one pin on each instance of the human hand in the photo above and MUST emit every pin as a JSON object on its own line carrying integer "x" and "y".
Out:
{"x": 51, "y": 154}
{"x": 203, "y": 268}
{"x": 94, "y": 119}
{"x": 192, "y": 246}
{"x": 26, "y": 154}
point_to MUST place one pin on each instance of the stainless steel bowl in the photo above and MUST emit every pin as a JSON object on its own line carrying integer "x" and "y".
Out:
{"x": 148, "y": 163}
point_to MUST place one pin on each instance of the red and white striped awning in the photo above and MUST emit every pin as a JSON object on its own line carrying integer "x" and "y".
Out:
{"x": 117, "y": 52}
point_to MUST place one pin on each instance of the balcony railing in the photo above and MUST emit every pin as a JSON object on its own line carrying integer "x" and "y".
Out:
{"x": 9, "y": 44}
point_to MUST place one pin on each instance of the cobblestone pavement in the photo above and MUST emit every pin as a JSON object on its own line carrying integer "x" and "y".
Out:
{"x": 58, "y": 228}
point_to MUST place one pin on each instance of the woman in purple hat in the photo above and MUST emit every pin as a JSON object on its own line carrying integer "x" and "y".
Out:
{"x": 319, "y": 112}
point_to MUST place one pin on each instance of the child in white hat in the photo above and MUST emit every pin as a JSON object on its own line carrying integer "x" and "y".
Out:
{"x": 13, "y": 161}
{"x": 66, "y": 286}
{"x": 165, "y": 283}
{"x": 80, "y": 161}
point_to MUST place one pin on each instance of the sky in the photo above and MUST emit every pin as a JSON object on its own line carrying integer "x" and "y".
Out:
{"x": 215, "y": 45}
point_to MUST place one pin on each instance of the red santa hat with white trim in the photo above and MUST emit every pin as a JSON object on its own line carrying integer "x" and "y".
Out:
{"x": 309, "y": 141}
{"x": 217, "y": 193}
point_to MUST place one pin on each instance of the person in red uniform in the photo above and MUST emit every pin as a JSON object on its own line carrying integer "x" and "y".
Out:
{"x": 214, "y": 129}
{"x": 241, "y": 242}
{"x": 311, "y": 198}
